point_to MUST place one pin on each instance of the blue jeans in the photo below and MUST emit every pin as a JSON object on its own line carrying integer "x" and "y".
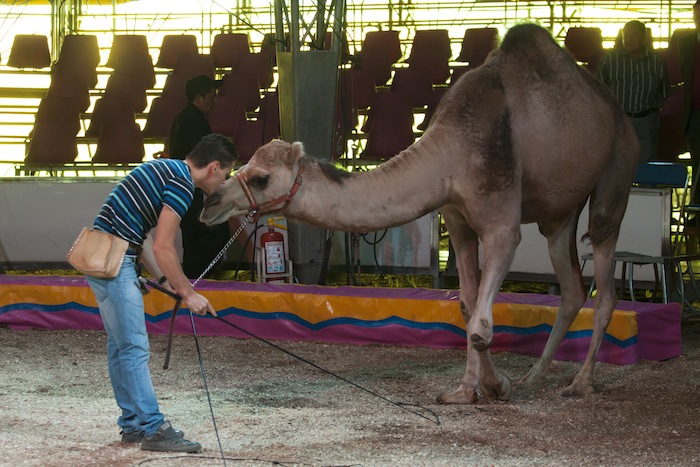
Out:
{"x": 122, "y": 312}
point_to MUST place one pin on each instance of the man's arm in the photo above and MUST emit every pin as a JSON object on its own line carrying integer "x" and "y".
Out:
{"x": 602, "y": 71}
{"x": 169, "y": 263}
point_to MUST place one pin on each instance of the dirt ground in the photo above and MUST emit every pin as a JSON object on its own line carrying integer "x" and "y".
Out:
{"x": 57, "y": 408}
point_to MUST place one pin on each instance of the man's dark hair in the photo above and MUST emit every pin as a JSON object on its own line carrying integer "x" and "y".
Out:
{"x": 635, "y": 24}
{"x": 200, "y": 85}
{"x": 214, "y": 147}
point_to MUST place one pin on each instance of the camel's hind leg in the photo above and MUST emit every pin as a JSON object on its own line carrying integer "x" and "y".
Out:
{"x": 561, "y": 237}
{"x": 608, "y": 203}
{"x": 605, "y": 300}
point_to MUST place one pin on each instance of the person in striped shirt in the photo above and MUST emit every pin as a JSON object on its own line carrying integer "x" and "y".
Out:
{"x": 155, "y": 194}
{"x": 639, "y": 80}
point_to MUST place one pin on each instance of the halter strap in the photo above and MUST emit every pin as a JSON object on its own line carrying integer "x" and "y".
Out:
{"x": 273, "y": 204}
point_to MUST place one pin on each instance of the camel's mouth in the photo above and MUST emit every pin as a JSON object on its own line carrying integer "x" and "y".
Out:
{"x": 216, "y": 210}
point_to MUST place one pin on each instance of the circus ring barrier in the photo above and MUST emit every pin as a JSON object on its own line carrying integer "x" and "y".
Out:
{"x": 356, "y": 315}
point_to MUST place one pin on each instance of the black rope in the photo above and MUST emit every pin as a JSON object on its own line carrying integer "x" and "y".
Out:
{"x": 403, "y": 406}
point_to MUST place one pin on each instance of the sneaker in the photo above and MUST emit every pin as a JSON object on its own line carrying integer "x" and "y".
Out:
{"x": 135, "y": 437}
{"x": 168, "y": 439}
{"x": 131, "y": 438}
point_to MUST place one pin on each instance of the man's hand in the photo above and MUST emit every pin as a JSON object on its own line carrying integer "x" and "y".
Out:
{"x": 199, "y": 305}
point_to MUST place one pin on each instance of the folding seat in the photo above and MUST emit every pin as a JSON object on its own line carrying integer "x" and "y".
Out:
{"x": 244, "y": 87}
{"x": 385, "y": 40}
{"x": 390, "y": 127}
{"x": 160, "y": 117}
{"x": 227, "y": 115}
{"x": 175, "y": 85}
{"x": 78, "y": 58}
{"x": 250, "y": 136}
{"x": 376, "y": 62}
{"x": 269, "y": 113}
{"x": 477, "y": 43}
{"x": 30, "y": 51}
{"x": 72, "y": 88}
{"x": 433, "y": 102}
{"x": 676, "y": 36}
{"x": 259, "y": 64}
{"x": 130, "y": 88}
{"x": 416, "y": 82}
{"x": 51, "y": 144}
{"x": 359, "y": 87}
{"x": 191, "y": 65}
{"x": 53, "y": 138}
{"x": 226, "y": 49}
{"x": 80, "y": 49}
{"x": 172, "y": 46}
{"x": 586, "y": 45}
{"x": 109, "y": 110}
{"x": 254, "y": 133}
{"x": 457, "y": 73}
{"x": 389, "y": 104}
{"x": 672, "y": 61}
{"x": 431, "y": 48}
{"x": 129, "y": 54}
{"x": 356, "y": 91}
{"x": 59, "y": 109}
{"x": 120, "y": 143}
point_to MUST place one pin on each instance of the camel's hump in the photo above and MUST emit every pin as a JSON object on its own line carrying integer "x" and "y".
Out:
{"x": 527, "y": 38}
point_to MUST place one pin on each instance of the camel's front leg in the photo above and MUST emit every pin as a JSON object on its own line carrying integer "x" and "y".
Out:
{"x": 499, "y": 247}
{"x": 465, "y": 244}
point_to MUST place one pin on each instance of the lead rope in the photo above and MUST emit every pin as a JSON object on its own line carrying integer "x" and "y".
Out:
{"x": 251, "y": 215}
{"x": 248, "y": 218}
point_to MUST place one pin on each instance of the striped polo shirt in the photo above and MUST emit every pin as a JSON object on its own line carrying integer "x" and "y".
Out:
{"x": 133, "y": 207}
{"x": 639, "y": 85}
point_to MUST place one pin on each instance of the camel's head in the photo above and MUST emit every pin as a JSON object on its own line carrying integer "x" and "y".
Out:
{"x": 268, "y": 176}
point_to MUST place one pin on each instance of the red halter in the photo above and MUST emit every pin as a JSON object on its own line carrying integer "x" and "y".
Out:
{"x": 273, "y": 204}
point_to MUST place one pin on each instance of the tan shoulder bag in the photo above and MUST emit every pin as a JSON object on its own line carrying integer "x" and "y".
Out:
{"x": 98, "y": 254}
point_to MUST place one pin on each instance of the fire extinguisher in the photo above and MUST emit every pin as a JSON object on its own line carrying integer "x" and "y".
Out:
{"x": 274, "y": 260}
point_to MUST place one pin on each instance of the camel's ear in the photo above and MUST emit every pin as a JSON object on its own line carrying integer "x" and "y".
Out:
{"x": 295, "y": 153}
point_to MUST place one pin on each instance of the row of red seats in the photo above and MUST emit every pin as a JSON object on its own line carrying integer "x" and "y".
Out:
{"x": 119, "y": 138}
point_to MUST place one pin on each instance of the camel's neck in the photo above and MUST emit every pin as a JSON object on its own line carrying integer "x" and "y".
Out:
{"x": 399, "y": 191}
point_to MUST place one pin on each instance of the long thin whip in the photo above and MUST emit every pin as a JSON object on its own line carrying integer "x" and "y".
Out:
{"x": 250, "y": 216}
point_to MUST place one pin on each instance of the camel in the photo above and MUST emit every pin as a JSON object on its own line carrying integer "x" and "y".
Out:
{"x": 529, "y": 136}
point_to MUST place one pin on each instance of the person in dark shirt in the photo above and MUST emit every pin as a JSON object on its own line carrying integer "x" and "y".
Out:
{"x": 200, "y": 243}
{"x": 639, "y": 80}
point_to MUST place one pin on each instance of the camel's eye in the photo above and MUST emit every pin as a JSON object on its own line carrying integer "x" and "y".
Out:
{"x": 259, "y": 181}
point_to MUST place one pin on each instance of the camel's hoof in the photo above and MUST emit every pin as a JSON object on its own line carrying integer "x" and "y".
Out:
{"x": 578, "y": 390}
{"x": 532, "y": 380}
{"x": 459, "y": 396}
{"x": 501, "y": 392}
{"x": 479, "y": 343}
